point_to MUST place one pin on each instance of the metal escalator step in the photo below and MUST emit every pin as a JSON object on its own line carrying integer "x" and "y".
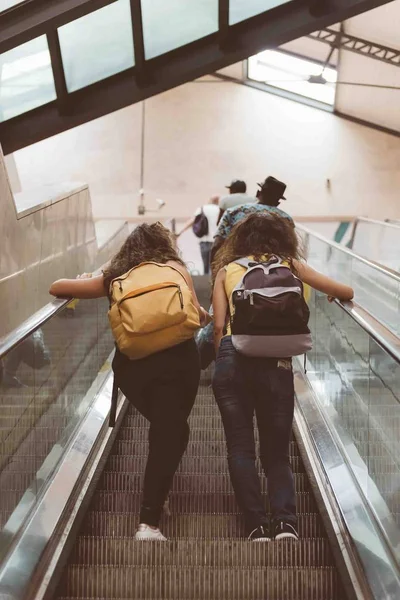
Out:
{"x": 10, "y": 422}
{"x": 10, "y": 499}
{"x": 44, "y": 434}
{"x": 184, "y": 502}
{"x": 192, "y": 583}
{"x": 210, "y": 421}
{"x": 195, "y": 552}
{"x": 197, "y": 434}
{"x": 196, "y": 484}
{"x": 193, "y": 464}
{"x": 195, "y": 448}
{"x": 14, "y": 480}
{"x": 192, "y": 525}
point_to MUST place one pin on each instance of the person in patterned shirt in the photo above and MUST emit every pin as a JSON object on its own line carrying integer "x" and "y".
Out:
{"x": 269, "y": 196}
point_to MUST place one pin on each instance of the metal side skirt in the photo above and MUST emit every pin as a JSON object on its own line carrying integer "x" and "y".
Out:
{"x": 364, "y": 553}
{"x": 20, "y": 573}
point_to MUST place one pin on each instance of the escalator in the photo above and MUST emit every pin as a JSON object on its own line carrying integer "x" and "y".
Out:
{"x": 71, "y": 489}
{"x": 208, "y": 556}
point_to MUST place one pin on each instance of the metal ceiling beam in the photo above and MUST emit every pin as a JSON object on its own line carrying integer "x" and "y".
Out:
{"x": 270, "y": 29}
{"x": 223, "y": 22}
{"x": 344, "y": 41}
{"x": 38, "y": 17}
{"x": 138, "y": 37}
{"x": 53, "y": 42}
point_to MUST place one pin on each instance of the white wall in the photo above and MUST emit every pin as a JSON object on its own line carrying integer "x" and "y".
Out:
{"x": 201, "y": 135}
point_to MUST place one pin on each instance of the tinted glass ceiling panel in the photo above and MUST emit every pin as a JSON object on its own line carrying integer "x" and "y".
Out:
{"x": 169, "y": 24}
{"x": 4, "y": 4}
{"x": 97, "y": 45}
{"x": 239, "y": 10}
{"x": 26, "y": 78}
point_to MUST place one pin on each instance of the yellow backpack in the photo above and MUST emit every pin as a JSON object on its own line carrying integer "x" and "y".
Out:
{"x": 151, "y": 309}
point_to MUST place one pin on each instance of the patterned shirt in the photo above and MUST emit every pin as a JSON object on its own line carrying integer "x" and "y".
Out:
{"x": 232, "y": 216}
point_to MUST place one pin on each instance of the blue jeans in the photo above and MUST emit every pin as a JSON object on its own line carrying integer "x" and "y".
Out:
{"x": 264, "y": 386}
{"x": 205, "y": 250}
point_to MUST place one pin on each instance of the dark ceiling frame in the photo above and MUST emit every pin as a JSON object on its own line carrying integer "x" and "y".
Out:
{"x": 344, "y": 41}
{"x": 150, "y": 77}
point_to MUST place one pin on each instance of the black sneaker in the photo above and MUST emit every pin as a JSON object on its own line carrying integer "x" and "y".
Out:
{"x": 284, "y": 530}
{"x": 260, "y": 534}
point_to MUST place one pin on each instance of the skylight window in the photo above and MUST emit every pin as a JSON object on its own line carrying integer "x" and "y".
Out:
{"x": 287, "y": 72}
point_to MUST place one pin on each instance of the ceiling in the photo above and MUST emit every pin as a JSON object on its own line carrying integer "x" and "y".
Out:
{"x": 374, "y": 105}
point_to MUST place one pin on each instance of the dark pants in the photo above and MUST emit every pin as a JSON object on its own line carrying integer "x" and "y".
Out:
{"x": 205, "y": 249}
{"x": 163, "y": 388}
{"x": 244, "y": 386}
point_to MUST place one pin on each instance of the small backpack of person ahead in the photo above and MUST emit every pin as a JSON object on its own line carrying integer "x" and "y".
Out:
{"x": 270, "y": 314}
{"x": 200, "y": 224}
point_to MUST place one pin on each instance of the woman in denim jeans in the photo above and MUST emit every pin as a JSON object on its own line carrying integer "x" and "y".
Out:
{"x": 245, "y": 385}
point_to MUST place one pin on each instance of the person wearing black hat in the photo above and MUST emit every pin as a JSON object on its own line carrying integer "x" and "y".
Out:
{"x": 269, "y": 195}
{"x": 237, "y": 195}
{"x": 271, "y": 191}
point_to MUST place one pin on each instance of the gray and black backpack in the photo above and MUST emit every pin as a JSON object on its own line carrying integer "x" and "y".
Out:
{"x": 270, "y": 314}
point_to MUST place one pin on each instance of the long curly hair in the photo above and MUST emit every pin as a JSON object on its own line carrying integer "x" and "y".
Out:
{"x": 146, "y": 243}
{"x": 259, "y": 235}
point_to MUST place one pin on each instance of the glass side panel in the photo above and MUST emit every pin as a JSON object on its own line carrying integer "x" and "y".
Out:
{"x": 97, "y": 45}
{"x": 375, "y": 291}
{"x": 169, "y": 25}
{"x": 358, "y": 388}
{"x": 26, "y": 78}
{"x": 239, "y": 10}
{"x": 47, "y": 384}
{"x": 379, "y": 242}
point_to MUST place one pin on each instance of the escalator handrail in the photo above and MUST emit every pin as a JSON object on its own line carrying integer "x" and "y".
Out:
{"x": 387, "y": 340}
{"x": 30, "y": 325}
{"x": 377, "y": 222}
{"x": 371, "y": 263}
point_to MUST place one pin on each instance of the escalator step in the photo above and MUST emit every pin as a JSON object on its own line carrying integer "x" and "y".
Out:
{"x": 192, "y": 583}
{"x": 196, "y": 483}
{"x": 192, "y": 525}
{"x": 190, "y": 553}
{"x": 186, "y": 502}
{"x": 192, "y": 464}
{"x": 195, "y": 448}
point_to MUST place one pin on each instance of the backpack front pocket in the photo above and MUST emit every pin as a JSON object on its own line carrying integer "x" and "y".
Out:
{"x": 152, "y": 309}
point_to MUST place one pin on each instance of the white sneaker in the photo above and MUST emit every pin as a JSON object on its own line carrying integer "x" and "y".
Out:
{"x": 149, "y": 534}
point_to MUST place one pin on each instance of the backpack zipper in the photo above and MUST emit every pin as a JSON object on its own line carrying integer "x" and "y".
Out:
{"x": 175, "y": 285}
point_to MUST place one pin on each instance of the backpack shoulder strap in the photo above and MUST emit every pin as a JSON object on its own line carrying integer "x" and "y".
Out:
{"x": 243, "y": 262}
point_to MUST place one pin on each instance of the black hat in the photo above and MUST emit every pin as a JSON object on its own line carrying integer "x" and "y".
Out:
{"x": 237, "y": 186}
{"x": 274, "y": 186}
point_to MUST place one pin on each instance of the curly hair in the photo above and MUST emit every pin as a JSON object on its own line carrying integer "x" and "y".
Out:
{"x": 259, "y": 235}
{"x": 146, "y": 243}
